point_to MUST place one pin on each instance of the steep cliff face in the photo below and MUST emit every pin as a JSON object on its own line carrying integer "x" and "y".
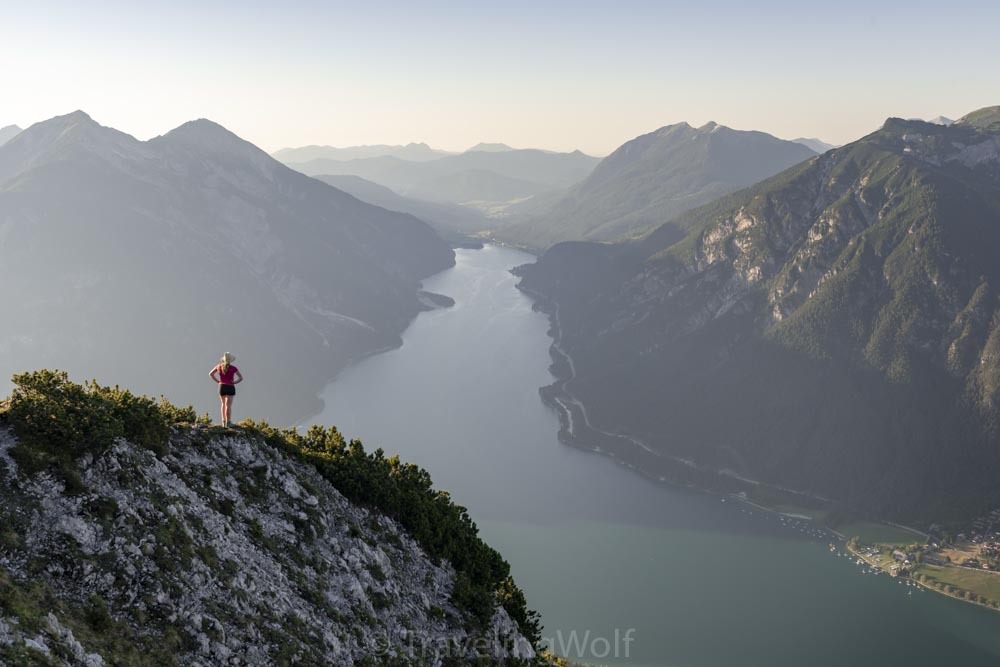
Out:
{"x": 219, "y": 548}
{"x": 833, "y": 329}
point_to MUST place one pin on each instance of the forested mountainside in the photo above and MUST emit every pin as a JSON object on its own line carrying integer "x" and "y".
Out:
{"x": 143, "y": 261}
{"x": 651, "y": 179}
{"x": 834, "y": 329}
{"x": 132, "y": 533}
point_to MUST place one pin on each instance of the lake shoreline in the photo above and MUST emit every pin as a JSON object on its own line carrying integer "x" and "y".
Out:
{"x": 922, "y": 584}
{"x": 577, "y": 431}
{"x": 594, "y": 546}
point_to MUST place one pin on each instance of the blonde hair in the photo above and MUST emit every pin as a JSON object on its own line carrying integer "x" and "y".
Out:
{"x": 227, "y": 359}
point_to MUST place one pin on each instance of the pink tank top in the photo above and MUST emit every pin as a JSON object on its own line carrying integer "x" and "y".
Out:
{"x": 227, "y": 377}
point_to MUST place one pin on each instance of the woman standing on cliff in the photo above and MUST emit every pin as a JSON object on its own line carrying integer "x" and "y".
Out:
{"x": 227, "y": 376}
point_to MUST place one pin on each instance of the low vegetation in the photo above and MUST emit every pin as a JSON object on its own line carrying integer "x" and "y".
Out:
{"x": 58, "y": 422}
{"x": 404, "y": 492}
{"x": 30, "y": 605}
{"x": 962, "y": 583}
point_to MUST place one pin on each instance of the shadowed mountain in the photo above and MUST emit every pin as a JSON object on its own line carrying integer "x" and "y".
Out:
{"x": 653, "y": 178}
{"x": 413, "y": 152}
{"x": 449, "y": 220}
{"x": 143, "y": 261}
{"x": 7, "y": 133}
{"x": 473, "y": 176}
{"x": 834, "y": 329}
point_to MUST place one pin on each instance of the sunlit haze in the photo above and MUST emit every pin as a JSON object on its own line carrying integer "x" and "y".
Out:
{"x": 559, "y": 76}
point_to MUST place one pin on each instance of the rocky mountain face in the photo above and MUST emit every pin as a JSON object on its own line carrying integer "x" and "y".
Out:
{"x": 185, "y": 544}
{"x": 143, "y": 261}
{"x": 8, "y": 132}
{"x": 475, "y": 177}
{"x": 652, "y": 179}
{"x": 834, "y": 329}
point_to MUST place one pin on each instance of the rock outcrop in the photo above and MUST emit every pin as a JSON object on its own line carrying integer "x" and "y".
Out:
{"x": 223, "y": 551}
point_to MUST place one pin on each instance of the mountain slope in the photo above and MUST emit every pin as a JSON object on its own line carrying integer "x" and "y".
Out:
{"x": 471, "y": 176}
{"x": 144, "y": 260}
{"x": 655, "y": 177}
{"x": 814, "y": 144}
{"x": 7, "y": 133}
{"x": 181, "y": 544}
{"x": 449, "y": 220}
{"x": 833, "y": 329}
{"x": 415, "y": 152}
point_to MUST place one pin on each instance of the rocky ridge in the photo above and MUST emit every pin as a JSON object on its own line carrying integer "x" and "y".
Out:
{"x": 223, "y": 551}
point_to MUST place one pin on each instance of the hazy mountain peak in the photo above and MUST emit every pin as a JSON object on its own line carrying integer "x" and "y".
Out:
{"x": 200, "y": 130}
{"x": 203, "y": 137}
{"x": 656, "y": 176}
{"x": 815, "y": 144}
{"x": 71, "y": 136}
{"x": 413, "y": 152}
{"x": 490, "y": 148}
{"x": 78, "y": 115}
{"x": 7, "y": 133}
{"x": 941, "y": 120}
{"x": 67, "y": 122}
{"x": 667, "y": 129}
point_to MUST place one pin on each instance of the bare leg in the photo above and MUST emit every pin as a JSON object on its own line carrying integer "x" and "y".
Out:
{"x": 229, "y": 408}
{"x": 223, "y": 409}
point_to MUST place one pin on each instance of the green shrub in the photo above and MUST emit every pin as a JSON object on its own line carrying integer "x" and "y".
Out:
{"x": 58, "y": 421}
{"x": 404, "y": 492}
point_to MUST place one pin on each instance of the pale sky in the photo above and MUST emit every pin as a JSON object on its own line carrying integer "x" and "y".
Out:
{"x": 555, "y": 75}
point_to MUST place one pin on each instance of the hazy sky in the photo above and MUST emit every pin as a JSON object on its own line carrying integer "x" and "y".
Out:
{"x": 558, "y": 75}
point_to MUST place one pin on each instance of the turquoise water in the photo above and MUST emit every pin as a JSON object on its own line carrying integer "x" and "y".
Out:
{"x": 623, "y": 570}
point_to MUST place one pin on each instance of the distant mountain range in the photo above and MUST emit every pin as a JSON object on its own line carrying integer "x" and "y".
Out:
{"x": 413, "y": 152}
{"x": 7, "y": 133}
{"x": 816, "y": 145}
{"x": 477, "y": 177}
{"x": 143, "y": 261}
{"x": 449, "y": 220}
{"x": 834, "y": 329}
{"x": 653, "y": 178}
{"x": 490, "y": 148}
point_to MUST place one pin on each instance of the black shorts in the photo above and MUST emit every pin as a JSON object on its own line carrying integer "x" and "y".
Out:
{"x": 227, "y": 390}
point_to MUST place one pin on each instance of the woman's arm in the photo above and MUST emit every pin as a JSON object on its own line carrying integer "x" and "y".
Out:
{"x": 237, "y": 377}
{"x": 212, "y": 375}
